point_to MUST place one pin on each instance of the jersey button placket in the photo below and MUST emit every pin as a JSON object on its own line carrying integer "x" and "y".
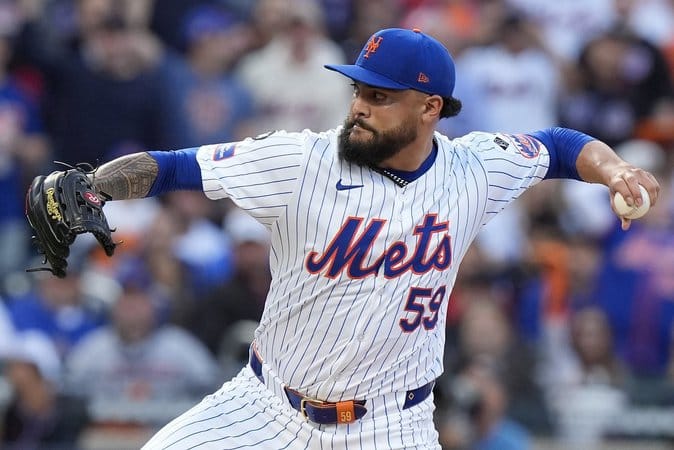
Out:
{"x": 396, "y": 229}
{"x": 403, "y": 212}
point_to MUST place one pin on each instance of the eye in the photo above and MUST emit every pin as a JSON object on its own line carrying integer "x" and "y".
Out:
{"x": 379, "y": 96}
{"x": 355, "y": 89}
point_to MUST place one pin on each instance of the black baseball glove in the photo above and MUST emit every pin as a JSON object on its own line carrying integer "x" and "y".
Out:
{"x": 60, "y": 206}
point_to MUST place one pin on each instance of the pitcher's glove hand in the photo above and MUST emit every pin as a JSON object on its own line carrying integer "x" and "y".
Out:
{"x": 60, "y": 206}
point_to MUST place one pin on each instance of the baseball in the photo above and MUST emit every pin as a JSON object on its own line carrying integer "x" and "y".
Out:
{"x": 632, "y": 212}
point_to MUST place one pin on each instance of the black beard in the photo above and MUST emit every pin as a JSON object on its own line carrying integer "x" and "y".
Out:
{"x": 381, "y": 146}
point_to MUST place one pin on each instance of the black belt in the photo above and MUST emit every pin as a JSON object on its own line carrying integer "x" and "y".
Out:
{"x": 347, "y": 411}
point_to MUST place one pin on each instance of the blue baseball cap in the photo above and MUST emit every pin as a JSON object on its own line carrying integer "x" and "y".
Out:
{"x": 204, "y": 20}
{"x": 396, "y": 58}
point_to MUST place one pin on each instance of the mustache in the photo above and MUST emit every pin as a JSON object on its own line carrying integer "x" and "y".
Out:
{"x": 351, "y": 122}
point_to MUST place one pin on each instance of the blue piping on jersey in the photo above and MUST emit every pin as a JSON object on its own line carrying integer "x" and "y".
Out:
{"x": 178, "y": 170}
{"x": 564, "y": 146}
{"x": 410, "y": 176}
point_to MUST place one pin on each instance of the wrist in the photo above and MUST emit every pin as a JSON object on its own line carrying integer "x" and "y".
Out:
{"x": 597, "y": 163}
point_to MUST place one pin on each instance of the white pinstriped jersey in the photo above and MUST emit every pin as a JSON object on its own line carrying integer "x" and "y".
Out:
{"x": 362, "y": 267}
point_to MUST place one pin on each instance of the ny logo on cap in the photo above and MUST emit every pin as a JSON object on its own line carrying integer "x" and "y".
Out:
{"x": 372, "y": 45}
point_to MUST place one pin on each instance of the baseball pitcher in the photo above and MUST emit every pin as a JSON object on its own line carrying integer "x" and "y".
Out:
{"x": 369, "y": 222}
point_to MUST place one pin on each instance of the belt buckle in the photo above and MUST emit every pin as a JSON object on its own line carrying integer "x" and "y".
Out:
{"x": 303, "y": 402}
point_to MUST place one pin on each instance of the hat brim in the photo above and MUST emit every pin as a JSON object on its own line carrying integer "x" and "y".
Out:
{"x": 365, "y": 76}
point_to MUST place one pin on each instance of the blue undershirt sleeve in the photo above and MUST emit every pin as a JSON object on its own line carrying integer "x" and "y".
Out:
{"x": 178, "y": 170}
{"x": 564, "y": 145}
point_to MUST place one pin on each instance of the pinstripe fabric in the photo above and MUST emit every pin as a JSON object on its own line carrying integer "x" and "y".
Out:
{"x": 367, "y": 320}
{"x": 244, "y": 414}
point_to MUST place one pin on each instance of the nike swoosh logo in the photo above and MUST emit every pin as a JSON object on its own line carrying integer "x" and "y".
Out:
{"x": 346, "y": 187}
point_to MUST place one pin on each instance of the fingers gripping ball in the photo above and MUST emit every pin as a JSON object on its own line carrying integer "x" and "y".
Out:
{"x": 632, "y": 212}
{"x": 59, "y": 207}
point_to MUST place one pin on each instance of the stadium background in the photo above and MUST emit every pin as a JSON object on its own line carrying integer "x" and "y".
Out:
{"x": 561, "y": 328}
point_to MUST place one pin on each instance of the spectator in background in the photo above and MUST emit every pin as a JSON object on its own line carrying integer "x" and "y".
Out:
{"x": 243, "y": 296}
{"x": 368, "y": 17}
{"x": 179, "y": 240}
{"x": 477, "y": 414}
{"x": 511, "y": 85}
{"x": 168, "y": 18}
{"x": 251, "y": 257}
{"x": 57, "y": 307}
{"x": 6, "y": 344}
{"x": 6, "y": 331}
{"x": 201, "y": 247}
{"x": 103, "y": 93}
{"x": 208, "y": 105}
{"x": 623, "y": 80}
{"x": 636, "y": 280}
{"x": 154, "y": 231}
{"x": 159, "y": 252}
{"x": 456, "y": 23}
{"x": 652, "y": 20}
{"x": 586, "y": 398}
{"x": 268, "y": 18}
{"x": 568, "y": 25}
{"x": 564, "y": 282}
{"x": 486, "y": 336}
{"x": 589, "y": 202}
{"x": 23, "y": 152}
{"x": 149, "y": 367}
{"x": 295, "y": 56}
{"x": 670, "y": 369}
{"x": 38, "y": 417}
{"x": 592, "y": 344}
{"x": 338, "y": 17}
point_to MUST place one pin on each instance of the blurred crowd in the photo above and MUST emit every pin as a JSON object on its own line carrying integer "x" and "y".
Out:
{"x": 561, "y": 326}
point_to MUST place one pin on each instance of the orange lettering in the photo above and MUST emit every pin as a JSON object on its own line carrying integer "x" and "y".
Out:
{"x": 372, "y": 46}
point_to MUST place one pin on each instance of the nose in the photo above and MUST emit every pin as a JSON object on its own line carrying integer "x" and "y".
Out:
{"x": 359, "y": 108}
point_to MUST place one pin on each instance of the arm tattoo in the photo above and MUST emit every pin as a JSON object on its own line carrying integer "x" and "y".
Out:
{"x": 127, "y": 177}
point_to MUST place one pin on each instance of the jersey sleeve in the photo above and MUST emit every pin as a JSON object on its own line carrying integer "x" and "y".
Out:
{"x": 511, "y": 163}
{"x": 258, "y": 174}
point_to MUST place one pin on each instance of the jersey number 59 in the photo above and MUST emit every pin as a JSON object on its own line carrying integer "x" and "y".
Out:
{"x": 414, "y": 304}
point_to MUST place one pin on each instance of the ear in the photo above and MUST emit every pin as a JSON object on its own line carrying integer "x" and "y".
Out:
{"x": 433, "y": 107}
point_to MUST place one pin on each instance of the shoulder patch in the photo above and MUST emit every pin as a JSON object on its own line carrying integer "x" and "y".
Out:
{"x": 223, "y": 151}
{"x": 526, "y": 145}
{"x": 501, "y": 142}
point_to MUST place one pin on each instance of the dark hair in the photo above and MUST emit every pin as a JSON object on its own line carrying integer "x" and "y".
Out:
{"x": 450, "y": 107}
